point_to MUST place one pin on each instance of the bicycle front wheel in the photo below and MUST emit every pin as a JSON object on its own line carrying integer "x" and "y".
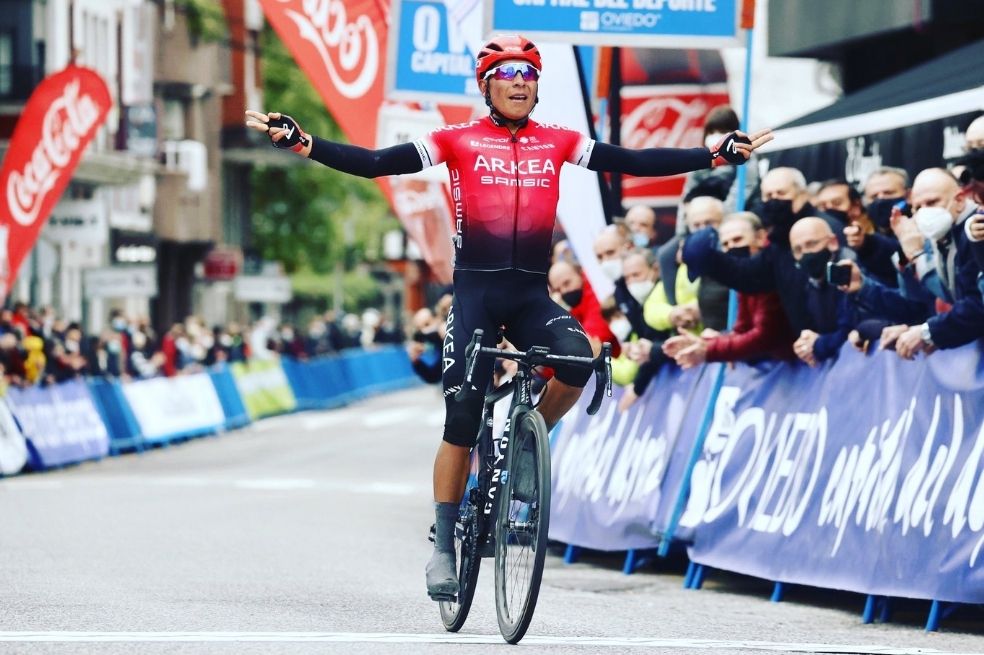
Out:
{"x": 521, "y": 527}
{"x": 454, "y": 612}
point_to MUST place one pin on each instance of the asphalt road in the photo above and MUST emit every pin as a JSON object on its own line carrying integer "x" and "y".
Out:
{"x": 307, "y": 534}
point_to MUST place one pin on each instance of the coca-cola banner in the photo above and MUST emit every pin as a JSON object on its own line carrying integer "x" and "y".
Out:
{"x": 665, "y": 116}
{"x": 340, "y": 45}
{"x": 58, "y": 122}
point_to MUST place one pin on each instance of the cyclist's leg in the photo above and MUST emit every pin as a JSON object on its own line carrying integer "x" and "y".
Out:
{"x": 461, "y": 427}
{"x": 542, "y": 322}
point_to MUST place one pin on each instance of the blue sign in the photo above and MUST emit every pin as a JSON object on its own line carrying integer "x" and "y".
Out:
{"x": 429, "y": 55}
{"x": 60, "y": 422}
{"x": 645, "y": 23}
{"x": 862, "y": 475}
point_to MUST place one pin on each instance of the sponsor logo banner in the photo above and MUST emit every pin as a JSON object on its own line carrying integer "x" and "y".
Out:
{"x": 862, "y": 475}
{"x": 664, "y": 117}
{"x": 648, "y": 23}
{"x": 58, "y": 122}
{"x": 60, "y": 422}
{"x": 171, "y": 407}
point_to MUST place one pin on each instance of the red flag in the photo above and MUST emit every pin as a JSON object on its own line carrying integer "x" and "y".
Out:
{"x": 341, "y": 47}
{"x": 58, "y": 122}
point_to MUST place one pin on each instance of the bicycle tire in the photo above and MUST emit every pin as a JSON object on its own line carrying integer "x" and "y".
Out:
{"x": 455, "y": 613}
{"x": 521, "y": 530}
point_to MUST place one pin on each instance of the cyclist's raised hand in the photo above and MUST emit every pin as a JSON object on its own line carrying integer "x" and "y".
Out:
{"x": 284, "y": 131}
{"x": 735, "y": 148}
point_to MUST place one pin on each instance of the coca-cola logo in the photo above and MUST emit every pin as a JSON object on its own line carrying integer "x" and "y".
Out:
{"x": 66, "y": 122}
{"x": 665, "y": 123}
{"x": 348, "y": 51}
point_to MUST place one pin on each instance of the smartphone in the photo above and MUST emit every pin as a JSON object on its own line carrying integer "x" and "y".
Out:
{"x": 904, "y": 207}
{"x": 838, "y": 275}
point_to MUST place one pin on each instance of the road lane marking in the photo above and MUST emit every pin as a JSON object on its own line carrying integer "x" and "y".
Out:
{"x": 457, "y": 638}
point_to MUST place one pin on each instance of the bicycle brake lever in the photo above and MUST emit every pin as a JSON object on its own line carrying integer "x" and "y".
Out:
{"x": 471, "y": 355}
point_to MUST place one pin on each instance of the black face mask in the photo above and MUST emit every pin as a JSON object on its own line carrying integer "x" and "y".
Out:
{"x": 777, "y": 216}
{"x": 814, "y": 263}
{"x": 839, "y": 214}
{"x": 572, "y": 298}
{"x": 744, "y": 252}
{"x": 880, "y": 211}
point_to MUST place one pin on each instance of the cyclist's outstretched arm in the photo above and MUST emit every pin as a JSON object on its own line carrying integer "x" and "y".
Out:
{"x": 735, "y": 148}
{"x": 285, "y": 133}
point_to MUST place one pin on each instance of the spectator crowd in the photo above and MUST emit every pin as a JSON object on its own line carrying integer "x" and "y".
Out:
{"x": 893, "y": 263}
{"x": 39, "y": 348}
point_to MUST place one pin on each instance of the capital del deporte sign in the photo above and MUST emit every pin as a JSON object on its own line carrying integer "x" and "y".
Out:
{"x": 58, "y": 122}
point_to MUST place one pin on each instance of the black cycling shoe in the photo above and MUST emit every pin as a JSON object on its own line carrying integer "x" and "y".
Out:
{"x": 442, "y": 576}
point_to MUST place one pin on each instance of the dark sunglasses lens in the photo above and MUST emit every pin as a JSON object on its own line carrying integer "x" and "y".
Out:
{"x": 508, "y": 72}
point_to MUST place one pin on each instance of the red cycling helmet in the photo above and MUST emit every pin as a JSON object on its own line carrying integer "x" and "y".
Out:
{"x": 506, "y": 48}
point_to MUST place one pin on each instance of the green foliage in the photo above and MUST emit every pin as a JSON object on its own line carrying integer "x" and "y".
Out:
{"x": 359, "y": 289}
{"x": 206, "y": 19}
{"x": 305, "y": 215}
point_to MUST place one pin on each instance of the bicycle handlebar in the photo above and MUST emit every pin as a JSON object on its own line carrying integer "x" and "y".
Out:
{"x": 537, "y": 355}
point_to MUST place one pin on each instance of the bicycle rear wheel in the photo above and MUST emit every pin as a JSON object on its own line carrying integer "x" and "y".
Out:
{"x": 521, "y": 527}
{"x": 454, "y": 613}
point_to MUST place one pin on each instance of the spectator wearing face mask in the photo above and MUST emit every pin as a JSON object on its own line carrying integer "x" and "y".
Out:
{"x": 839, "y": 198}
{"x": 972, "y": 180}
{"x": 940, "y": 267}
{"x": 973, "y": 140}
{"x": 774, "y": 268}
{"x": 831, "y": 312}
{"x": 611, "y": 246}
{"x": 569, "y": 286}
{"x": 642, "y": 345}
{"x": 641, "y": 221}
{"x": 760, "y": 330}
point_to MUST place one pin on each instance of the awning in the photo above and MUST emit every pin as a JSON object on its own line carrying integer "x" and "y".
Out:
{"x": 946, "y": 86}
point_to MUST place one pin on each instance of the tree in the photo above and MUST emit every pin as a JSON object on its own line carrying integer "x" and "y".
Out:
{"x": 302, "y": 208}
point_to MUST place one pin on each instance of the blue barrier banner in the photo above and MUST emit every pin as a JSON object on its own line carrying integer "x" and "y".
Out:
{"x": 862, "y": 475}
{"x": 616, "y": 475}
{"x": 60, "y": 423}
{"x": 181, "y": 406}
{"x": 648, "y": 23}
{"x": 13, "y": 447}
{"x": 429, "y": 54}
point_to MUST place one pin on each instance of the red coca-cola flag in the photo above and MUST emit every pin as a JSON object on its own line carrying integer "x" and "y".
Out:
{"x": 341, "y": 47}
{"x": 58, "y": 122}
{"x": 664, "y": 116}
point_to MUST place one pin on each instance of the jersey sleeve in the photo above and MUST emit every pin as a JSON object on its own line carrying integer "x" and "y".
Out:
{"x": 580, "y": 149}
{"x": 433, "y": 148}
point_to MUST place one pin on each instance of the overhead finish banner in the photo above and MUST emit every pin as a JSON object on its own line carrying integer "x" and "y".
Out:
{"x": 57, "y": 123}
{"x": 646, "y": 23}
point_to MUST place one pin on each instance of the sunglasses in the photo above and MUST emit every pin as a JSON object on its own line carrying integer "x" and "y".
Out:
{"x": 508, "y": 72}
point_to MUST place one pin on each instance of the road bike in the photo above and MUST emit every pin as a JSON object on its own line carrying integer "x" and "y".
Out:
{"x": 505, "y": 512}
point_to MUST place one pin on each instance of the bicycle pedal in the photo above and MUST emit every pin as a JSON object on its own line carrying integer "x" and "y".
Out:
{"x": 443, "y": 598}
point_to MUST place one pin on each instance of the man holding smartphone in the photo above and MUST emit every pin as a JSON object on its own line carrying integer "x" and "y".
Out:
{"x": 819, "y": 254}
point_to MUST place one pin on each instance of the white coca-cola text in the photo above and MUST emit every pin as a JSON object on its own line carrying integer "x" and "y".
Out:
{"x": 63, "y": 130}
{"x": 348, "y": 51}
{"x": 664, "y": 123}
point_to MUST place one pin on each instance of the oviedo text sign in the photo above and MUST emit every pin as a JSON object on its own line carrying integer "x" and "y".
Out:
{"x": 649, "y": 23}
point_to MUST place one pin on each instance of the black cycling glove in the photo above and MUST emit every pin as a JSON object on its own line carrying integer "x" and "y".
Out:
{"x": 294, "y": 138}
{"x": 725, "y": 152}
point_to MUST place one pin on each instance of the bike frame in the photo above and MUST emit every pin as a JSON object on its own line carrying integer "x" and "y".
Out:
{"x": 493, "y": 456}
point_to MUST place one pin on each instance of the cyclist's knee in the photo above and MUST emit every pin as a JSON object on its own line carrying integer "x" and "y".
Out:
{"x": 574, "y": 345}
{"x": 463, "y": 421}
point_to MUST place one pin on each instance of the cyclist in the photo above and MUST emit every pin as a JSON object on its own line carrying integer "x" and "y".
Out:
{"x": 504, "y": 171}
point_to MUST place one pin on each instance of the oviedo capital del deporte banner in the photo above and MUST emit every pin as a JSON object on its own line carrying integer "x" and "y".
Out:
{"x": 58, "y": 122}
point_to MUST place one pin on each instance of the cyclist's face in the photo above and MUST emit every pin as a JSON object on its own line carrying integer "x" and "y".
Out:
{"x": 513, "y": 98}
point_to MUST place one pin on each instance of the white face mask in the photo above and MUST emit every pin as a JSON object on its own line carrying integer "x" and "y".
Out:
{"x": 621, "y": 328}
{"x": 612, "y": 268}
{"x": 641, "y": 290}
{"x": 712, "y": 139}
{"x": 933, "y": 222}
